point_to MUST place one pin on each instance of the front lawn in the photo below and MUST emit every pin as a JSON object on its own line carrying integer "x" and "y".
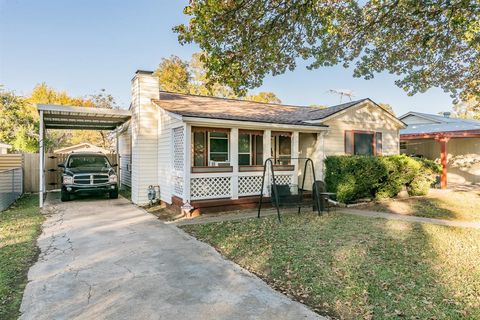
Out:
{"x": 439, "y": 204}
{"x": 19, "y": 229}
{"x": 353, "y": 267}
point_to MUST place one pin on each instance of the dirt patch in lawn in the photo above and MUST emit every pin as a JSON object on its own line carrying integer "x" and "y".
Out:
{"x": 439, "y": 204}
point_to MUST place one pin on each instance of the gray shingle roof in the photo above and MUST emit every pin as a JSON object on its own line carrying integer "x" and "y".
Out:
{"x": 242, "y": 110}
{"x": 442, "y": 124}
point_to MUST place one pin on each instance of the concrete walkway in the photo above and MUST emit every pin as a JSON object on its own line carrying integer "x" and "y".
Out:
{"x": 106, "y": 259}
{"x": 246, "y": 214}
{"x": 394, "y": 216}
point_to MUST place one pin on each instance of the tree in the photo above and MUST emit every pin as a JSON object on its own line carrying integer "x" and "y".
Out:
{"x": 199, "y": 81}
{"x": 19, "y": 120}
{"x": 177, "y": 75}
{"x": 469, "y": 109}
{"x": 431, "y": 43}
{"x": 387, "y": 107}
{"x": 43, "y": 94}
{"x": 267, "y": 97}
{"x": 18, "y": 125}
{"x": 173, "y": 75}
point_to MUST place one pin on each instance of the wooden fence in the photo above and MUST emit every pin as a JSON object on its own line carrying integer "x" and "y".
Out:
{"x": 31, "y": 170}
{"x": 10, "y": 161}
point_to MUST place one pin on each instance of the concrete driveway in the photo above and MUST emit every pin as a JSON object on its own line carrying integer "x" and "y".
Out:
{"x": 107, "y": 259}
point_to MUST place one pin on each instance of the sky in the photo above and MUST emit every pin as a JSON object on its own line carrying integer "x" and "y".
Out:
{"x": 84, "y": 46}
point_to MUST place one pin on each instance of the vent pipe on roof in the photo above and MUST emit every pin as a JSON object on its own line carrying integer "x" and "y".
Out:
{"x": 447, "y": 114}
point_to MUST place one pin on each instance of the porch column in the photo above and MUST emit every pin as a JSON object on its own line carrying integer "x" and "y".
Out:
{"x": 443, "y": 160}
{"x": 267, "y": 153}
{"x": 295, "y": 153}
{"x": 267, "y": 145}
{"x": 234, "y": 161}
{"x": 187, "y": 162}
{"x": 42, "y": 161}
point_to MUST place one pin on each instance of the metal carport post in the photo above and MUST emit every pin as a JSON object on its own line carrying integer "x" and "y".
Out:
{"x": 73, "y": 118}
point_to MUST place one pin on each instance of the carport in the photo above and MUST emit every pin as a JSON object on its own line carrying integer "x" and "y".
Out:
{"x": 74, "y": 118}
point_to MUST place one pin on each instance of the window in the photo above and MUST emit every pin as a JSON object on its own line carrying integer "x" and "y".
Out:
{"x": 364, "y": 143}
{"x": 244, "y": 155}
{"x": 88, "y": 161}
{"x": 199, "y": 149}
{"x": 250, "y": 149}
{"x": 209, "y": 145}
{"x": 218, "y": 146}
{"x": 281, "y": 147}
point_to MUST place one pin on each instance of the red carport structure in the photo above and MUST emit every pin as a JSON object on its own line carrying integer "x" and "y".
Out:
{"x": 440, "y": 137}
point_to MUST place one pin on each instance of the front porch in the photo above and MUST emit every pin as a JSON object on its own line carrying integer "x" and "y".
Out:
{"x": 223, "y": 167}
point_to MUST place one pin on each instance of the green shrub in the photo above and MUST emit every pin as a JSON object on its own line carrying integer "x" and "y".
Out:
{"x": 419, "y": 186}
{"x": 356, "y": 177}
{"x": 425, "y": 177}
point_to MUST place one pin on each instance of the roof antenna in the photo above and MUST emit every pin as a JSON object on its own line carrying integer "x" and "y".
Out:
{"x": 342, "y": 93}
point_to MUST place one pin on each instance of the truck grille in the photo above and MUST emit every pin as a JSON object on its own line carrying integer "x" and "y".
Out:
{"x": 90, "y": 179}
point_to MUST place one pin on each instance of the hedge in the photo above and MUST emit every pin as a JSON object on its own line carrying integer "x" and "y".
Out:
{"x": 357, "y": 177}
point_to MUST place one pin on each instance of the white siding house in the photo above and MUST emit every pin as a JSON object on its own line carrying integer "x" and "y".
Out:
{"x": 210, "y": 151}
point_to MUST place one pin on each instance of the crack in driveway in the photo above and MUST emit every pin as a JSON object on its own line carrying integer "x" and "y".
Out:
{"x": 127, "y": 264}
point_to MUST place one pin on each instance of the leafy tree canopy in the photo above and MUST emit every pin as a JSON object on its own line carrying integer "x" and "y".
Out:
{"x": 177, "y": 75}
{"x": 430, "y": 43}
{"x": 387, "y": 107}
{"x": 468, "y": 109}
{"x": 19, "y": 121}
{"x": 268, "y": 97}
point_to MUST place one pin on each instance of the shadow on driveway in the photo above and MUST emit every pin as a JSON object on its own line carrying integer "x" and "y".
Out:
{"x": 107, "y": 259}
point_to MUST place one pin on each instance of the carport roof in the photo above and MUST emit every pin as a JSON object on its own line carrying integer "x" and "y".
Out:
{"x": 86, "y": 118}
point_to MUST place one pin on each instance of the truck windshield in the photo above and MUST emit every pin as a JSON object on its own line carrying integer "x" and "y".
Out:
{"x": 90, "y": 161}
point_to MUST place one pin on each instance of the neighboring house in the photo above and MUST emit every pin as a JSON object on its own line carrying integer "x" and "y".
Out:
{"x": 210, "y": 151}
{"x": 453, "y": 142}
{"x": 4, "y": 148}
{"x": 82, "y": 147}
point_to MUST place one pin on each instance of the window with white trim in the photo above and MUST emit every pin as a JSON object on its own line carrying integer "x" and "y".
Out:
{"x": 210, "y": 146}
{"x": 250, "y": 149}
{"x": 282, "y": 147}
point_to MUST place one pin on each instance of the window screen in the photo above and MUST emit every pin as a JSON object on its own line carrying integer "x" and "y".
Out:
{"x": 244, "y": 149}
{"x": 363, "y": 144}
{"x": 258, "y": 150}
{"x": 218, "y": 146}
{"x": 199, "y": 149}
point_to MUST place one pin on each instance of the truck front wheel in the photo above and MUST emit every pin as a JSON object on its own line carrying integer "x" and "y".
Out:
{"x": 65, "y": 196}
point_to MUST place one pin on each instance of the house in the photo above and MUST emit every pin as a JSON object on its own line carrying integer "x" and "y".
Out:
{"x": 210, "y": 151}
{"x": 82, "y": 147}
{"x": 4, "y": 148}
{"x": 453, "y": 142}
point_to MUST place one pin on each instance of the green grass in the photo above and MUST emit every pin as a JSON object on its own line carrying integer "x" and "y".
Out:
{"x": 19, "y": 229}
{"x": 359, "y": 268}
{"x": 449, "y": 205}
